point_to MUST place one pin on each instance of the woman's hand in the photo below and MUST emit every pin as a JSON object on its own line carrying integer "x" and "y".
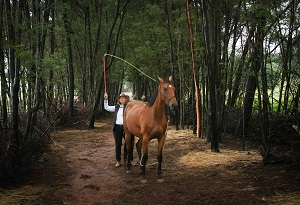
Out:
{"x": 105, "y": 96}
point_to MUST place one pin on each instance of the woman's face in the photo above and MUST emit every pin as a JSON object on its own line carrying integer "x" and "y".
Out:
{"x": 122, "y": 100}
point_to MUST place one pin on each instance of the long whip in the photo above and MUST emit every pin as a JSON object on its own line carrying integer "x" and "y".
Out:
{"x": 104, "y": 64}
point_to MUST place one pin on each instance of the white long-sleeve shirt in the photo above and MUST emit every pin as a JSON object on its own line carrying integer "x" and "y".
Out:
{"x": 119, "y": 120}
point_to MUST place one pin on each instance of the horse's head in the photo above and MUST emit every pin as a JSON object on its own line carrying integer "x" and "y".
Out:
{"x": 167, "y": 92}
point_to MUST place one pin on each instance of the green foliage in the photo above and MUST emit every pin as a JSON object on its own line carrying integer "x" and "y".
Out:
{"x": 58, "y": 65}
{"x": 26, "y": 58}
{"x": 144, "y": 41}
{"x": 149, "y": 48}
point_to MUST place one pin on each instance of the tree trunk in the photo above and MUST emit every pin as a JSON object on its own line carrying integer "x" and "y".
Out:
{"x": 257, "y": 61}
{"x": 96, "y": 49}
{"x": 289, "y": 57}
{"x": 14, "y": 74}
{"x": 119, "y": 14}
{"x": 265, "y": 115}
{"x": 173, "y": 115}
{"x": 232, "y": 55}
{"x": 212, "y": 53}
{"x": 50, "y": 92}
{"x": 70, "y": 63}
{"x": 4, "y": 90}
{"x": 264, "y": 110}
{"x": 195, "y": 77}
{"x": 239, "y": 74}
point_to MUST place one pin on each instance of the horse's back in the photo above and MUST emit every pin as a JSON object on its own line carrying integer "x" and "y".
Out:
{"x": 132, "y": 116}
{"x": 135, "y": 106}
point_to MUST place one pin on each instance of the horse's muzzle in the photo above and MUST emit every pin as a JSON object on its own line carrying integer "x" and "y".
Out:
{"x": 173, "y": 105}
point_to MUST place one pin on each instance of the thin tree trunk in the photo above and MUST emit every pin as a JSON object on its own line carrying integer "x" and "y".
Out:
{"x": 257, "y": 59}
{"x": 50, "y": 93}
{"x": 239, "y": 74}
{"x": 285, "y": 54}
{"x": 173, "y": 115}
{"x": 289, "y": 57}
{"x": 265, "y": 114}
{"x": 14, "y": 74}
{"x": 232, "y": 55}
{"x": 212, "y": 54}
{"x": 36, "y": 69}
{"x": 97, "y": 44}
{"x": 120, "y": 13}
{"x": 70, "y": 63}
{"x": 91, "y": 64}
{"x": 195, "y": 77}
{"x": 4, "y": 88}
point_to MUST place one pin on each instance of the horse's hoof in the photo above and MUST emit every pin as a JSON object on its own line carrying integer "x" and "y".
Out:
{"x": 128, "y": 171}
{"x": 160, "y": 180}
{"x": 143, "y": 181}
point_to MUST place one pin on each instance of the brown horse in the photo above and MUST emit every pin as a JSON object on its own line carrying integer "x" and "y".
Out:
{"x": 148, "y": 121}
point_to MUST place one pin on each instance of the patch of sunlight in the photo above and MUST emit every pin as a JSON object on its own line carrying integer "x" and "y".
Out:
{"x": 100, "y": 124}
{"x": 173, "y": 133}
{"x": 22, "y": 195}
{"x": 284, "y": 198}
{"x": 72, "y": 133}
{"x": 79, "y": 132}
{"x": 249, "y": 188}
{"x": 226, "y": 156}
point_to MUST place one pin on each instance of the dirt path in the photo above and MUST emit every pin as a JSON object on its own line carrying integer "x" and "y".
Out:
{"x": 88, "y": 160}
{"x": 80, "y": 170}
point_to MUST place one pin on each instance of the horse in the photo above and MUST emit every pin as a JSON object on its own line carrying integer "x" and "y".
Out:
{"x": 148, "y": 121}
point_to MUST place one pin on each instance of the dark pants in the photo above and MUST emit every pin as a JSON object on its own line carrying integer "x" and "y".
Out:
{"x": 119, "y": 135}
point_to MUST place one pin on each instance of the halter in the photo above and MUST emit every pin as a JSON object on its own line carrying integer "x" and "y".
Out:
{"x": 169, "y": 99}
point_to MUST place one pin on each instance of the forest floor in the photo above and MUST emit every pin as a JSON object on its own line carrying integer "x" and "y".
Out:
{"x": 80, "y": 169}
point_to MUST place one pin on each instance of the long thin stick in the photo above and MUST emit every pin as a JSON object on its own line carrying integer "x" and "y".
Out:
{"x": 129, "y": 64}
{"x": 104, "y": 72}
{"x": 194, "y": 70}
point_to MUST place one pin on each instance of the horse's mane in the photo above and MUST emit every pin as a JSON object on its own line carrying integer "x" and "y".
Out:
{"x": 153, "y": 97}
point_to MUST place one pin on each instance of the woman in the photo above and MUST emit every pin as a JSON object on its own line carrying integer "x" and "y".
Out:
{"x": 117, "y": 125}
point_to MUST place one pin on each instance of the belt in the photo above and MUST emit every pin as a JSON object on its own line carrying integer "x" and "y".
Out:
{"x": 118, "y": 125}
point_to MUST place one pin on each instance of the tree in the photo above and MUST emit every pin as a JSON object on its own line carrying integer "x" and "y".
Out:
{"x": 70, "y": 62}
{"x": 4, "y": 90}
{"x": 195, "y": 76}
{"x": 13, "y": 70}
{"x": 120, "y": 13}
{"x": 52, "y": 51}
{"x": 211, "y": 34}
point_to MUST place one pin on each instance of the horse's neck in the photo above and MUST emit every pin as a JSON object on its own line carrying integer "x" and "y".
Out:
{"x": 158, "y": 107}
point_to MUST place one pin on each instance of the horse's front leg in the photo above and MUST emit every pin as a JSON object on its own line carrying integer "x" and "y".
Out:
{"x": 139, "y": 149}
{"x": 144, "y": 158}
{"x": 159, "y": 159}
{"x": 128, "y": 143}
{"x": 161, "y": 142}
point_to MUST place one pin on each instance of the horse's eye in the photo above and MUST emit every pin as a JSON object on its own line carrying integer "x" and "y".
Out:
{"x": 165, "y": 89}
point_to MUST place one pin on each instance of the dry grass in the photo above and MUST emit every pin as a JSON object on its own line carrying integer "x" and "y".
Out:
{"x": 23, "y": 195}
{"x": 285, "y": 199}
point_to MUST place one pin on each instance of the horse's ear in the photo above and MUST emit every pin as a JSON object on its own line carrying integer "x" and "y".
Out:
{"x": 170, "y": 79}
{"x": 161, "y": 80}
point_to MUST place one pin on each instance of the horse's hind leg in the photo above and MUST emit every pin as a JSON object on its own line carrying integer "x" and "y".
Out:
{"x": 144, "y": 157}
{"x": 125, "y": 153}
{"x": 128, "y": 143}
{"x": 129, "y": 154}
